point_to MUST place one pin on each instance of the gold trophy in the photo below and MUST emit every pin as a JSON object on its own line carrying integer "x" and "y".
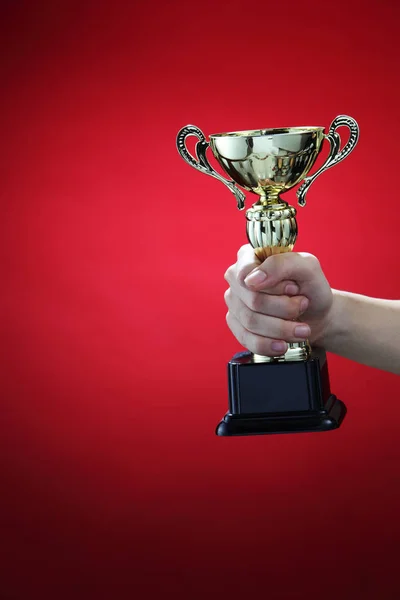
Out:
{"x": 289, "y": 393}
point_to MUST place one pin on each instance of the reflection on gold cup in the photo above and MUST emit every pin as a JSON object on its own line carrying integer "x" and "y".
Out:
{"x": 269, "y": 162}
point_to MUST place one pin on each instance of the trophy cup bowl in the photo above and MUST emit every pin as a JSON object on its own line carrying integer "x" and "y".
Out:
{"x": 268, "y": 161}
{"x": 289, "y": 393}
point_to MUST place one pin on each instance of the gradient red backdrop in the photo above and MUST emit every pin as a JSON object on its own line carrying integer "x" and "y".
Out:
{"x": 113, "y": 484}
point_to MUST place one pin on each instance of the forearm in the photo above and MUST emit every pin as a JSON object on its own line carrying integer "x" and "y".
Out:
{"x": 365, "y": 329}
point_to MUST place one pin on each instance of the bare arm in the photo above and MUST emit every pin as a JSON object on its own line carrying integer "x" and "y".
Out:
{"x": 364, "y": 329}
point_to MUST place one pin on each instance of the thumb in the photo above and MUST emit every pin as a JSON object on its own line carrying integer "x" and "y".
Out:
{"x": 296, "y": 266}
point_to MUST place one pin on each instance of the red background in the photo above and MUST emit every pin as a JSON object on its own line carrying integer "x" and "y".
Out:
{"x": 113, "y": 484}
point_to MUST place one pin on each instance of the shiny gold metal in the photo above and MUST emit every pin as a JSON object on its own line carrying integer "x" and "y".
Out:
{"x": 271, "y": 228}
{"x": 268, "y": 162}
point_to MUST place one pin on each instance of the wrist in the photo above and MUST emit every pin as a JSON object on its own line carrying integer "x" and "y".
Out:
{"x": 335, "y": 322}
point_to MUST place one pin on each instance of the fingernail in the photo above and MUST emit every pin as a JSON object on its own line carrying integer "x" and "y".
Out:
{"x": 303, "y": 305}
{"x": 292, "y": 289}
{"x": 279, "y": 347}
{"x": 255, "y": 278}
{"x": 302, "y": 331}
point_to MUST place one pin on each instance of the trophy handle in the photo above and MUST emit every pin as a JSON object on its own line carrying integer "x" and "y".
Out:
{"x": 335, "y": 154}
{"x": 202, "y": 163}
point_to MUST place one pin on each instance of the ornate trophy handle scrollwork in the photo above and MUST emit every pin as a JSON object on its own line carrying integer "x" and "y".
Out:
{"x": 335, "y": 154}
{"x": 202, "y": 163}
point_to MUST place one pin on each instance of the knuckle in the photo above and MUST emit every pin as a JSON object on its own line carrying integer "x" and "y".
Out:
{"x": 242, "y": 273}
{"x": 247, "y": 318}
{"x": 243, "y": 337}
{"x": 228, "y": 318}
{"x": 311, "y": 261}
{"x": 254, "y": 301}
{"x": 227, "y": 295}
{"x": 242, "y": 249}
{"x": 228, "y": 276}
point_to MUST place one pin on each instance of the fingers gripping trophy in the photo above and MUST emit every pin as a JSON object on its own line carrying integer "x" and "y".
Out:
{"x": 289, "y": 393}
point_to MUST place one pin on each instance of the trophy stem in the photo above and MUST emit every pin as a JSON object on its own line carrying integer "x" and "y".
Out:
{"x": 271, "y": 226}
{"x": 272, "y": 229}
{"x": 270, "y": 196}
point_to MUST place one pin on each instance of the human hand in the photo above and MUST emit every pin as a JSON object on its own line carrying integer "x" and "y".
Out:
{"x": 266, "y": 300}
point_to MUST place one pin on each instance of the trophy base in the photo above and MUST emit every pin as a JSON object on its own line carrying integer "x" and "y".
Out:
{"x": 260, "y": 424}
{"x": 292, "y": 397}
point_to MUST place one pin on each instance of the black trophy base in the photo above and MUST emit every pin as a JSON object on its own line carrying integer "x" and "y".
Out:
{"x": 280, "y": 397}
